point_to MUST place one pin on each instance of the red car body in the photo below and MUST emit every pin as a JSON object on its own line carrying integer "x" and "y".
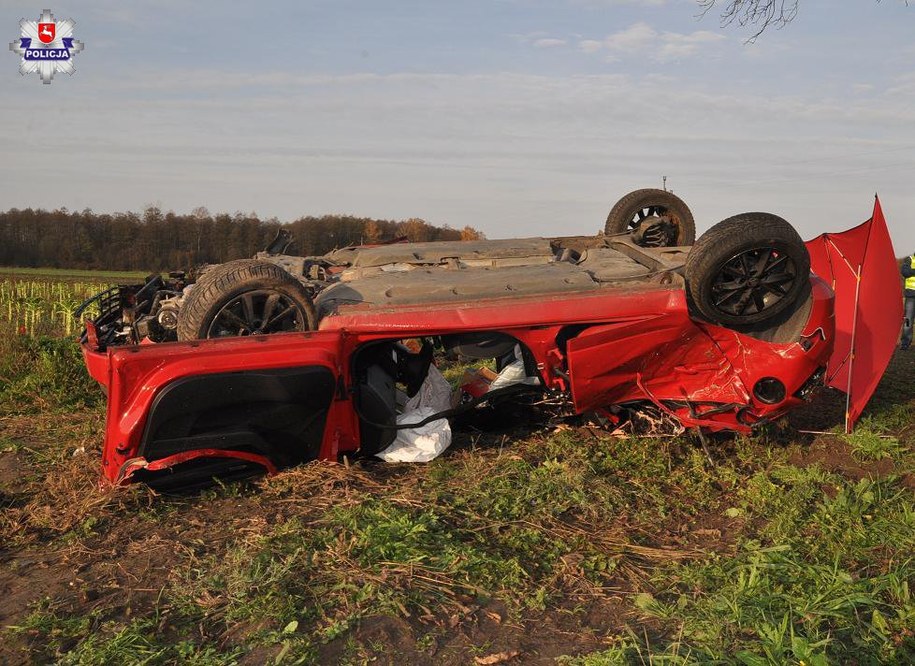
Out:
{"x": 599, "y": 349}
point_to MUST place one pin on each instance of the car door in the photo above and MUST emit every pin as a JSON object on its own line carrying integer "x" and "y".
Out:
{"x": 181, "y": 413}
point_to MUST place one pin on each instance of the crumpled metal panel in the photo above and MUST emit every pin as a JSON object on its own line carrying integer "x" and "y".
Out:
{"x": 700, "y": 373}
{"x": 667, "y": 356}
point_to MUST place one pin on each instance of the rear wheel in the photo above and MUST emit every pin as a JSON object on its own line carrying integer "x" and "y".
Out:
{"x": 246, "y": 297}
{"x": 748, "y": 270}
{"x": 654, "y": 218}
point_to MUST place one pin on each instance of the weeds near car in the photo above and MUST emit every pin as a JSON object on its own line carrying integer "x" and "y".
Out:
{"x": 871, "y": 439}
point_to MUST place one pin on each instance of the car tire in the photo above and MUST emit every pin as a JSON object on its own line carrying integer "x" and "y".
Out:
{"x": 748, "y": 271}
{"x": 245, "y": 297}
{"x": 654, "y": 218}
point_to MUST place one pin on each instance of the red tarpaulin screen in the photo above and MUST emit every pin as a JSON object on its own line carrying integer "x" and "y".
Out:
{"x": 861, "y": 267}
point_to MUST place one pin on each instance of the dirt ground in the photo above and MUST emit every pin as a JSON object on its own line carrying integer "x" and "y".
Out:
{"x": 123, "y": 567}
{"x": 80, "y": 551}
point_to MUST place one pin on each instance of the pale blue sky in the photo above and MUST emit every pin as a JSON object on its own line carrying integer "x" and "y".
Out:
{"x": 518, "y": 117}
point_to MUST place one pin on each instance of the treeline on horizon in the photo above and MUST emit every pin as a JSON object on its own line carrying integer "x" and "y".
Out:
{"x": 155, "y": 240}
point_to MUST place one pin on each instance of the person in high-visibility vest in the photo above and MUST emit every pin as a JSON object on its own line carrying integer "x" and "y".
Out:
{"x": 908, "y": 271}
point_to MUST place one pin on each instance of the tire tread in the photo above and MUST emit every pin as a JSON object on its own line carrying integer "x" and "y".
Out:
{"x": 732, "y": 236}
{"x": 623, "y": 210}
{"x": 225, "y": 278}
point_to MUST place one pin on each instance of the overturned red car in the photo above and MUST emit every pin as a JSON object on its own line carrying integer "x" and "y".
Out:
{"x": 265, "y": 363}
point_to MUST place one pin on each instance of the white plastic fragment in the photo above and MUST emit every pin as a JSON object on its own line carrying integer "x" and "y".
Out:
{"x": 420, "y": 444}
{"x": 426, "y": 442}
{"x": 513, "y": 373}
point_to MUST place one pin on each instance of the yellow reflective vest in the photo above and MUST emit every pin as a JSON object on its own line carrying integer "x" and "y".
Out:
{"x": 910, "y": 281}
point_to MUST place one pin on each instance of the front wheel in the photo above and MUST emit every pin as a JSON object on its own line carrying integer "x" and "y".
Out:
{"x": 246, "y": 297}
{"x": 748, "y": 270}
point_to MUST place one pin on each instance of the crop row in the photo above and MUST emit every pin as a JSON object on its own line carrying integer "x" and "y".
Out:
{"x": 37, "y": 307}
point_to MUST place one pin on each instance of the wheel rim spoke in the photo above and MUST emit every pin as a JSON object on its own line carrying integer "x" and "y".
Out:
{"x": 777, "y": 278}
{"x": 247, "y": 304}
{"x": 269, "y": 307}
{"x": 732, "y": 285}
{"x": 779, "y": 284}
{"x": 753, "y": 281}
{"x": 745, "y": 265}
{"x": 280, "y": 317}
{"x": 777, "y": 264}
{"x": 763, "y": 261}
{"x": 255, "y": 313}
{"x": 743, "y": 302}
{"x": 231, "y": 321}
{"x": 731, "y": 294}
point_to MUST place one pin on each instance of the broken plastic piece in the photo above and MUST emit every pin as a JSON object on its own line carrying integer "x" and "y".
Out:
{"x": 420, "y": 444}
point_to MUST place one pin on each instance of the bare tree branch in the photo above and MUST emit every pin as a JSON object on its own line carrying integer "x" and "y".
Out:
{"x": 758, "y": 13}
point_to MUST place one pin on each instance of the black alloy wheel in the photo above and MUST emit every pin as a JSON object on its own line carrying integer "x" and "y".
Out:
{"x": 257, "y": 312}
{"x": 750, "y": 270}
{"x": 753, "y": 280}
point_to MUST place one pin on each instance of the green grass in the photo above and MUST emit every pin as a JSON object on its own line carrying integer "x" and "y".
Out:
{"x": 761, "y": 558}
{"x": 454, "y": 372}
{"x": 43, "y": 373}
{"x": 65, "y": 273}
{"x": 820, "y": 573}
{"x": 479, "y": 525}
{"x": 872, "y": 438}
{"x": 137, "y": 642}
{"x": 817, "y": 587}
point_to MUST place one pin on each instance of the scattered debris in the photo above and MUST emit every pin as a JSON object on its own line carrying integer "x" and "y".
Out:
{"x": 496, "y": 658}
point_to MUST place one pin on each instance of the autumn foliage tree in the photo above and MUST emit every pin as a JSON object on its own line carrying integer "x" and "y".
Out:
{"x": 155, "y": 240}
{"x": 469, "y": 233}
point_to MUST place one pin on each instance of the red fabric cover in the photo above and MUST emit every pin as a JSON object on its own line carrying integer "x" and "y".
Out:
{"x": 861, "y": 267}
